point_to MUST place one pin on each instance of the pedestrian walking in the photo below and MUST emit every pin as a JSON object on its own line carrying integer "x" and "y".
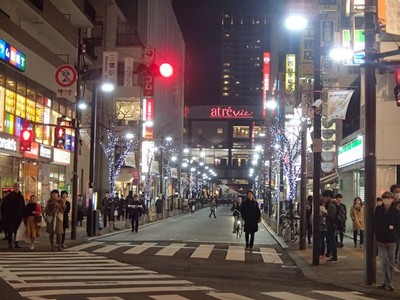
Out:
{"x": 13, "y": 210}
{"x": 387, "y": 231}
{"x": 342, "y": 227}
{"x": 213, "y": 208}
{"x": 64, "y": 198}
{"x": 33, "y": 215}
{"x": 135, "y": 211}
{"x": 251, "y": 216}
{"x": 105, "y": 208}
{"x": 54, "y": 211}
{"x": 395, "y": 190}
{"x": 332, "y": 210}
{"x": 80, "y": 209}
{"x": 357, "y": 216}
{"x": 322, "y": 229}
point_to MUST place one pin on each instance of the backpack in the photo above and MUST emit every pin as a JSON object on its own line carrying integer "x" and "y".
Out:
{"x": 340, "y": 218}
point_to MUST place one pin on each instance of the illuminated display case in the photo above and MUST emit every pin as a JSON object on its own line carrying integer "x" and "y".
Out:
{"x": 10, "y": 102}
{"x": 21, "y": 104}
{"x": 30, "y": 110}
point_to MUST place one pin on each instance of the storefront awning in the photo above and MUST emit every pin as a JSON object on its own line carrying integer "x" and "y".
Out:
{"x": 329, "y": 178}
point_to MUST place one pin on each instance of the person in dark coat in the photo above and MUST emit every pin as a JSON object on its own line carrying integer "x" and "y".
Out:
{"x": 64, "y": 198}
{"x": 13, "y": 209}
{"x": 251, "y": 216}
{"x": 135, "y": 211}
{"x": 105, "y": 208}
{"x": 387, "y": 232}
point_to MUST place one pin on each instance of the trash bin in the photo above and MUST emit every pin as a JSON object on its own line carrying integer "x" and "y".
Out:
{"x": 96, "y": 222}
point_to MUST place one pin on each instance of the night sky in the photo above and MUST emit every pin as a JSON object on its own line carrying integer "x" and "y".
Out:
{"x": 200, "y": 24}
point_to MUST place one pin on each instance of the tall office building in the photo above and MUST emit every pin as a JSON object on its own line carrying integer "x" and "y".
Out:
{"x": 247, "y": 33}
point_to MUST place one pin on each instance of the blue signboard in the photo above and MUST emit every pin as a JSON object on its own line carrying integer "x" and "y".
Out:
{"x": 68, "y": 142}
{"x": 12, "y": 56}
{"x": 327, "y": 2}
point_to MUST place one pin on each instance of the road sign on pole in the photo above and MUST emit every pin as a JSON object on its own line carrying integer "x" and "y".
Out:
{"x": 66, "y": 76}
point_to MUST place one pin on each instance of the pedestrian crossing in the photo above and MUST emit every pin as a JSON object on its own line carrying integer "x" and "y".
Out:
{"x": 200, "y": 251}
{"x": 87, "y": 276}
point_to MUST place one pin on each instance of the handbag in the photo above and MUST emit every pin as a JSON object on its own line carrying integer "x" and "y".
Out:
{"x": 20, "y": 236}
{"x": 37, "y": 218}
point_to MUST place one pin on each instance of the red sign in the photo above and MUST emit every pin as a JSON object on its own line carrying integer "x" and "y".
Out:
{"x": 230, "y": 113}
{"x": 266, "y": 77}
{"x": 149, "y": 110}
{"x": 148, "y": 85}
{"x": 66, "y": 76}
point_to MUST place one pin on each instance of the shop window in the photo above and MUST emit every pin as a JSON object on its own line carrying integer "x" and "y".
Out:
{"x": 220, "y": 130}
{"x": 241, "y": 131}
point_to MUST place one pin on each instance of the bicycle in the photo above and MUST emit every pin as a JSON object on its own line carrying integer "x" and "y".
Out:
{"x": 239, "y": 224}
{"x": 290, "y": 221}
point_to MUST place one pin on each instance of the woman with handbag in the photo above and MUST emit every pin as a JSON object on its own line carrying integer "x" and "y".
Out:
{"x": 54, "y": 218}
{"x": 33, "y": 215}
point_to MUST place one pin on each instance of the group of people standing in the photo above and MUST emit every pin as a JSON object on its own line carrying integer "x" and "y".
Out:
{"x": 54, "y": 216}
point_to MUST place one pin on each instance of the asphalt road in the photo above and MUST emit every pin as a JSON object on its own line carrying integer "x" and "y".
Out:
{"x": 186, "y": 257}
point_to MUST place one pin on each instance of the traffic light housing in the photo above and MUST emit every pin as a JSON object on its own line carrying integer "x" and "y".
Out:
{"x": 164, "y": 70}
{"x": 26, "y": 138}
{"x": 59, "y": 137}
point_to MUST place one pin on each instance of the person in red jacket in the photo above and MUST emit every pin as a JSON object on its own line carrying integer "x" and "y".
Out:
{"x": 387, "y": 232}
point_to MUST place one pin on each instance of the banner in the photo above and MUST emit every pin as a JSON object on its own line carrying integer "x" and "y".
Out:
{"x": 338, "y": 102}
{"x": 110, "y": 67}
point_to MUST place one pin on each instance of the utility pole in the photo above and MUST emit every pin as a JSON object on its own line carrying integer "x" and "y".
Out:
{"x": 370, "y": 141}
{"x": 317, "y": 142}
{"x": 76, "y": 145}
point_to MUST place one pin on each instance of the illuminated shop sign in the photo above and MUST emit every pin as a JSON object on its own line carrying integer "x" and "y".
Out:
{"x": 351, "y": 152}
{"x": 12, "y": 56}
{"x": 34, "y": 152}
{"x": 266, "y": 76}
{"x": 61, "y": 157}
{"x": 8, "y": 143}
{"x": 230, "y": 113}
{"x": 148, "y": 117}
{"x": 290, "y": 82}
{"x": 45, "y": 152}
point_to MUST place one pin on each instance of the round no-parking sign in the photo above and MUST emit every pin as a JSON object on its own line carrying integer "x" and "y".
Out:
{"x": 66, "y": 76}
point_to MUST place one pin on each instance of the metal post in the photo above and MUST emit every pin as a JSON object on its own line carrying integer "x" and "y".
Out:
{"x": 370, "y": 141}
{"x": 93, "y": 134}
{"x": 317, "y": 142}
{"x": 303, "y": 183}
{"x": 161, "y": 171}
{"x": 76, "y": 144}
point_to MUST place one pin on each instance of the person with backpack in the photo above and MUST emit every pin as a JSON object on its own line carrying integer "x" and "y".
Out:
{"x": 357, "y": 215}
{"x": 331, "y": 223}
{"x": 341, "y": 227}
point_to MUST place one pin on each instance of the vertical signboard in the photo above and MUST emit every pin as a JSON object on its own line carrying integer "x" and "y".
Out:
{"x": 148, "y": 117}
{"x": 110, "y": 67}
{"x": 266, "y": 77}
{"x": 128, "y": 71}
{"x": 307, "y": 55}
{"x": 290, "y": 78}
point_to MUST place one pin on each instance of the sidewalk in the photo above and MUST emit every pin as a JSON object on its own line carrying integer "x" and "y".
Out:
{"x": 347, "y": 273}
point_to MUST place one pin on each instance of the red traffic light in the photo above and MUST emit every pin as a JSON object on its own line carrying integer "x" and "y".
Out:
{"x": 26, "y": 138}
{"x": 59, "y": 137}
{"x": 166, "y": 70}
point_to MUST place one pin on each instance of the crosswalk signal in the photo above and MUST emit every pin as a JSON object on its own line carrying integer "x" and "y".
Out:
{"x": 59, "y": 137}
{"x": 26, "y": 138}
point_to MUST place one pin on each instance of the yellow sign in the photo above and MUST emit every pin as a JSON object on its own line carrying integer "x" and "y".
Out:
{"x": 290, "y": 78}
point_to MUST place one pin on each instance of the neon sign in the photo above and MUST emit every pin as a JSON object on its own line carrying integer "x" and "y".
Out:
{"x": 12, "y": 56}
{"x": 229, "y": 112}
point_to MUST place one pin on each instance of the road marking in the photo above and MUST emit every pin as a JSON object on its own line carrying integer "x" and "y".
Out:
{"x": 269, "y": 255}
{"x": 228, "y": 296}
{"x": 87, "y": 277}
{"x": 235, "y": 253}
{"x": 140, "y": 248}
{"x": 107, "y": 283}
{"x": 105, "y": 298}
{"x": 84, "y": 246}
{"x": 202, "y": 251}
{"x": 115, "y": 290}
{"x": 169, "y": 297}
{"x": 107, "y": 249}
{"x": 57, "y": 271}
{"x": 170, "y": 250}
{"x": 345, "y": 295}
{"x": 287, "y": 296}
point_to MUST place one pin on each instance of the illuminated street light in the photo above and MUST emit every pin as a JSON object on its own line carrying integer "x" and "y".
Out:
{"x": 296, "y": 22}
{"x": 107, "y": 87}
{"x": 341, "y": 54}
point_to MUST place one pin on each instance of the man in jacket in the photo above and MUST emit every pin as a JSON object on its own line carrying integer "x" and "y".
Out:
{"x": 387, "y": 231}
{"x": 342, "y": 229}
{"x": 105, "y": 208}
{"x": 331, "y": 208}
{"x": 13, "y": 209}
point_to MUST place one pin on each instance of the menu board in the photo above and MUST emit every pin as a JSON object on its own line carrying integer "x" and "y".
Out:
{"x": 20, "y": 110}
{"x": 10, "y": 102}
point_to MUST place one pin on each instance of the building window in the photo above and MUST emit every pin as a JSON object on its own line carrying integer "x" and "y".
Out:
{"x": 220, "y": 130}
{"x": 241, "y": 131}
{"x": 199, "y": 130}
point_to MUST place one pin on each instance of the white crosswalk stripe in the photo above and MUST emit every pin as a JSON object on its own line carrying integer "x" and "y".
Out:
{"x": 201, "y": 251}
{"x": 352, "y": 295}
{"x": 343, "y": 295}
{"x": 43, "y": 274}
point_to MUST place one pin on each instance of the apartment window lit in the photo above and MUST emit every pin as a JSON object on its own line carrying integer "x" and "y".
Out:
{"x": 225, "y": 94}
{"x": 227, "y": 76}
{"x": 226, "y": 82}
{"x": 241, "y": 131}
{"x": 220, "y": 130}
{"x": 199, "y": 130}
{"x": 227, "y": 64}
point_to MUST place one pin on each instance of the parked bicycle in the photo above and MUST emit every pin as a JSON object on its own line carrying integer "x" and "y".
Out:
{"x": 290, "y": 222}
